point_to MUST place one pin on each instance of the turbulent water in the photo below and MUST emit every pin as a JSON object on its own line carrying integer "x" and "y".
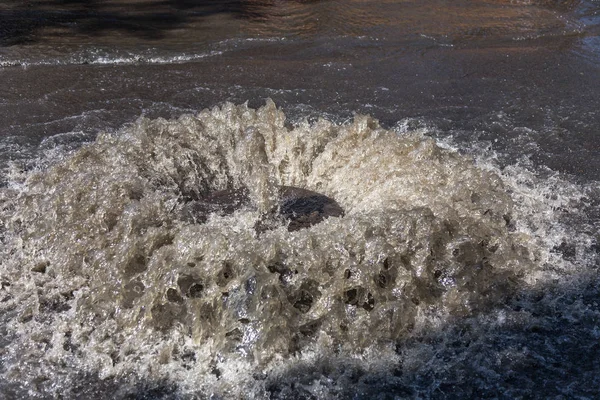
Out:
{"x": 464, "y": 263}
{"x": 103, "y": 277}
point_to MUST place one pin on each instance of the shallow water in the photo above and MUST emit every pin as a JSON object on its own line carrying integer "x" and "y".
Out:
{"x": 465, "y": 264}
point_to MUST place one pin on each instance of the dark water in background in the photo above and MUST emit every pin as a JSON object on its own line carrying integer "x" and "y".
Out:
{"x": 485, "y": 69}
{"x": 515, "y": 84}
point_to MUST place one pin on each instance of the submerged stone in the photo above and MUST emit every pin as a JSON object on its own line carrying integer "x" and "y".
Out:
{"x": 304, "y": 208}
{"x": 300, "y": 208}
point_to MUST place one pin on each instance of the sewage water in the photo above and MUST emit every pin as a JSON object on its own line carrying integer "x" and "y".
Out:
{"x": 460, "y": 140}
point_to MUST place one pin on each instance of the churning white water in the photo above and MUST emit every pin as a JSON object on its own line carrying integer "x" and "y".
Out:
{"x": 106, "y": 288}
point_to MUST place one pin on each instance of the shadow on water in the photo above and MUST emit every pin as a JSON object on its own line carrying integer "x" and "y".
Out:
{"x": 29, "y": 21}
{"x": 540, "y": 344}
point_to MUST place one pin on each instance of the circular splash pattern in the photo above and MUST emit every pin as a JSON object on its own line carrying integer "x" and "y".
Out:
{"x": 107, "y": 270}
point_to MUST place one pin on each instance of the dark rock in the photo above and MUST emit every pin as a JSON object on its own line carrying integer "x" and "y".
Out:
{"x": 304, "y": 208}
{"x": 301, "y": 208}
{"x": 40, "y": 267}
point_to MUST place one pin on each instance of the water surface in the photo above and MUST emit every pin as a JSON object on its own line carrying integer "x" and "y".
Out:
{"x": 464, "y": 266}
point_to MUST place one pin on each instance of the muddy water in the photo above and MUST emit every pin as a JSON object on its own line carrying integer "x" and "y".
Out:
{"x": 464, "y": 264}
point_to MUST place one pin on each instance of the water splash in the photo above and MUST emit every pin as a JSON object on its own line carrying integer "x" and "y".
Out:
{"x": 103, "y": 275}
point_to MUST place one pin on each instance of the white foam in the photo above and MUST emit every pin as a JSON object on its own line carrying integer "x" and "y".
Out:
{"x": 101, "y": 266}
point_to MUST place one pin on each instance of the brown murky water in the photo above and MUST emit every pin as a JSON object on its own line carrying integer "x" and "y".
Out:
{"x": 463, "y": 262}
